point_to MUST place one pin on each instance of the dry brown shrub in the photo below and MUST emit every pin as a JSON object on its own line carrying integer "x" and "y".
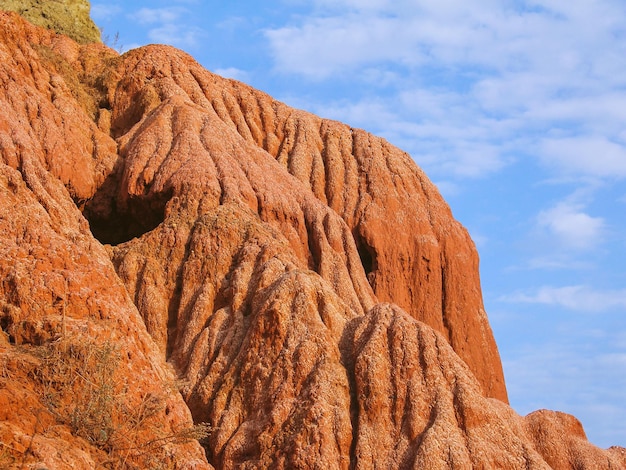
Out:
{"x": 79, "y": 385}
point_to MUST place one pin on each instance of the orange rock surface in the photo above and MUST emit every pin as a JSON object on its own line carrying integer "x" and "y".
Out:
{"x": 69, "y": 329}
{"x": 301, "y": 283}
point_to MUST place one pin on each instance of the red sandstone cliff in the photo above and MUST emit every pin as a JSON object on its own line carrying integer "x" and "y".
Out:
{"x": 313, "y": 297}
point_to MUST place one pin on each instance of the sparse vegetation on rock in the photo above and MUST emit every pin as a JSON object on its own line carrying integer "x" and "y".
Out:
{"x": 69, "y": 17}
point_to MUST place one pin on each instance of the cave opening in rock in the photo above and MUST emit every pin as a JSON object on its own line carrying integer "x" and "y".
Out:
{"x": 140, "y": 215}
{"x": 113, "y": 220}
{"x": 5, "y": 324}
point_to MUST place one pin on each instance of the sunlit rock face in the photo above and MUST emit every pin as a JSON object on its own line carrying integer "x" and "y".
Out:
{"x": 301, "y": 283}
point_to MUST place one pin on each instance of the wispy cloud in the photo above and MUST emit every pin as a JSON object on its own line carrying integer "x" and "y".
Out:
{"x": 594, "y": 378}
{"x": 175, "y": 35}
{"x": 589, "y": 156}
{"x": 485, "y": 71}
{"x": 158, "y": 15}
{"x": 577, "y": 298}
{"x": 434, "y": 127}
{"x": 232, "y": 72}
{"x": 572, "y": 228}
{"x": 325, "y": 46}
{"x": 104, "y": 11}
{"x": 503, "y": 37}
{"x": 169, "y": 25}
{"x": 447, "y": 188}
{"x": 554, "y": 261}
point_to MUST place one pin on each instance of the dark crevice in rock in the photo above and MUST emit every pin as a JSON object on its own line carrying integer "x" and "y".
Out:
{"x": 348, "y": 353}
{"x": 114, "y": 220}
{"x": 315, "y": 250}
{"x": 368, "y": 257}
{"x": 445, "y": 315}
{"x": 6, "y": 322}
{"x": 174, "y": 305}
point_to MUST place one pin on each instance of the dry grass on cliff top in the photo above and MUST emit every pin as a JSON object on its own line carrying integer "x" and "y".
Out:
{"x": 90, "y": 85}
{"x": 69, "y": 17}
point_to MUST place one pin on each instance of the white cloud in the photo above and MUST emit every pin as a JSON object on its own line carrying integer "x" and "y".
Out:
{"x": 555, "y": 261}
{"x": 158, "y": 15}
{"x": 480, "y": 81}
{"x": 572, "y": 228}
{"x": 169, "y": 26}
{"x": 566, "y": 237}
{"x": 473, "y": 159}
{"x": 325, "y": 46}
{"x": 573, "y": 375}
{"x": 379, "y": 77}
{"x": 442, "y": 135}
{"x": 447, "y": 188}
{"x": 620, "y": 340}
{"x": 588, "y": 156}
{"x": 360, "y": 5}
{"x": 365, "y": 113}
{"x": 599, "y": 110}
{"x": 233, "y": 72}
{"x": 179, "y": 36}
{"x": 491, "y": 34}
{"x": 578, "y": 298}
{"x": 104, "y": 11}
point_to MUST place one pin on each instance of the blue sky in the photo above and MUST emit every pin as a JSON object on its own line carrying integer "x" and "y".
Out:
{"x": 515, "y": 109}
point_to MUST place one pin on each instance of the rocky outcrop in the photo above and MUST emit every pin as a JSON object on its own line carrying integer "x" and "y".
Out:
{"x": 413, "y": 252}
{"x": 313, "y": 297}
{"x": 397, "y": 231}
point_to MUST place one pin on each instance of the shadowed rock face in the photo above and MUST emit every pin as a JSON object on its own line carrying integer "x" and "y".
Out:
{"x": 308, "y": 286}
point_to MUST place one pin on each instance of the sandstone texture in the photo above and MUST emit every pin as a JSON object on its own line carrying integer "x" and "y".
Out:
{"x": 180, "y": 248}
{"x": 81, "y": 382}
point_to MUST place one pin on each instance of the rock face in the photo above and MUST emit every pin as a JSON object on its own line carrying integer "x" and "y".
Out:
{"x": 352, "y": 208}
{"x": 300, "y": 282}
{"x": 81, "y": 382}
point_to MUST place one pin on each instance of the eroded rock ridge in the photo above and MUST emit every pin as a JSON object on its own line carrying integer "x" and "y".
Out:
{"x": 206, "y": 254}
